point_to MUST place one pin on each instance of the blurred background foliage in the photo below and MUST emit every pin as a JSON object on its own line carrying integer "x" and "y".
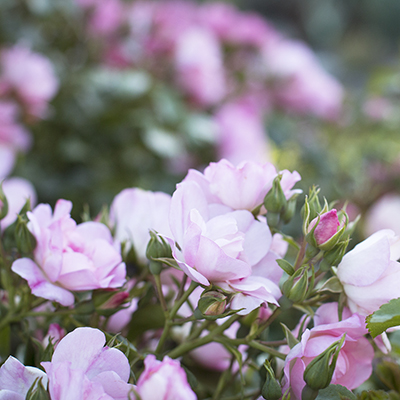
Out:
{"x": 108, "y": 131}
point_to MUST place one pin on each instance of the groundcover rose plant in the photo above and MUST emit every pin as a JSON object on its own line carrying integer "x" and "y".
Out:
{"x": 212, "y": 299}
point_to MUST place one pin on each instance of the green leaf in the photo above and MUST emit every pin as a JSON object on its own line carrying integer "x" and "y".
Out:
{"x": 389, "y": 373}
{"x": 332, "y": 285}
{"x": 290, "y": 338}
{"x": 286, "y": 266}
{"x": 378, "y": 395}
{"x": 386, "y": 317}
{"x": 336, "y": 392}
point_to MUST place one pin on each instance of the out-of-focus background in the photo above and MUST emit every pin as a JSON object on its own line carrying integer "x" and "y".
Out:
{"x": 100, "y": 95}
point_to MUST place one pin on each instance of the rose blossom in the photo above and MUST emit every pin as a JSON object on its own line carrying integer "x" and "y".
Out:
{"x": 327, "y": 227}
{"x": 164, "y": 380}
{"x": 354, "y": 364}
{"x": 134, "y": 212}
{"x": 82, "y": 368}
{"x": 370, "y": 273}
{"x": 16, "y": 379}
{"x": 221, "y": 247}
{"x": 69, "y": 257}
{"x": 242, "y": 187}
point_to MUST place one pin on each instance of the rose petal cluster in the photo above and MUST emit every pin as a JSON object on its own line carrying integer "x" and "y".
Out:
{"x": 164, "y": 380}
{"x": 370, "y": 272}
{"x": 16, "y": 379}
{"x": 354, "y": 363}
{"x": 83, "y": 368}
{"x": 217, "y": 240}
{"x": 69, "y": 257}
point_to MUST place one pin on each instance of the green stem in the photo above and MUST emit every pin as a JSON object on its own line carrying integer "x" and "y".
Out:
{"x": 160, "y": 293}
{"x": 193, "y": 344}
{"x": 300, "y": 255}
{"x": 169, "y": 316}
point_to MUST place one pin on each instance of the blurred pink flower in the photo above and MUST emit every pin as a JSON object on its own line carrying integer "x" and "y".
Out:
{"x": 383, "y": 214}
{"x": 107, "y": 16}
{"x": 69, "y": 257}
{"x": 164, "y": 380}
{"x": 354, "y": 364}
{"x": 241, "y": 135}
{"x": 302, "y": 85}
{"x": 16, "y": 379}
{"x": 13, "y": 137}
{"x": 17, "y": 191}
{"x": 82, "y": 368}
{"x": 378, "y": 108}
{"x": 134, "y": 212}
{"x": 55, "y": 333}
{"x": 31, "y": 75}
{"x": 199, "y": 66}
{"x": 370, "y": 272}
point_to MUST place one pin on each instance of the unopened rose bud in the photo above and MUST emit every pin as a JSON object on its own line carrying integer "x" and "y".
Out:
{"x": 271, "y": 389}
{"x": 108, "y": 300}
{"x": 318, "y": 373}
{"x": 37, "y": 391}
{"x": 334, "y": 256}
{"x": 275, "y": 200}
{"x": 290, "y": 209}
{"x": 295, "y": 287}
{"x": 157, "y": 247}
{"x": 26, "y": 242}
{"x": 324, "y": 232}
{"x": 212, "y": 303}
{"x": 3, "y": 203}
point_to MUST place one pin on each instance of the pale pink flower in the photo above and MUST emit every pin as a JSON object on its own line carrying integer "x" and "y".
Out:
{"x": 16, "y": 379}
{"x": 383, "y": 214}
{"x": 31, "y": 75}
{"x": 17, "y": 192}
{"x": 379, "y": 109}
{"x": 164, "y": 380}
{"x": 370, "y": 272}
{"x": 69, "y": 257}
{"x": 134, "y": 212}
{"x": 221, "y": 247}
{"x": 199, "y": 66}
{"x": 354, "y": 364}
{"x": 82, "y": 368}
{"x": 242, "y": 187}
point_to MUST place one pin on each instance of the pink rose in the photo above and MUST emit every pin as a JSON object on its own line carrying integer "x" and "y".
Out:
{"x": 31, "y": 75}
{"x": 69, "y": 257}
{"x": 16, "y": 379}
{"x": 134, "y": 212}
{"x": 82, "y": 368}
{"x": 221, "y": 247}
{"x": 243, "y": 187}
{"x": 354, "y": 364}
{"x": 163, "y": 380}
{"x": 370, "y": 272}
